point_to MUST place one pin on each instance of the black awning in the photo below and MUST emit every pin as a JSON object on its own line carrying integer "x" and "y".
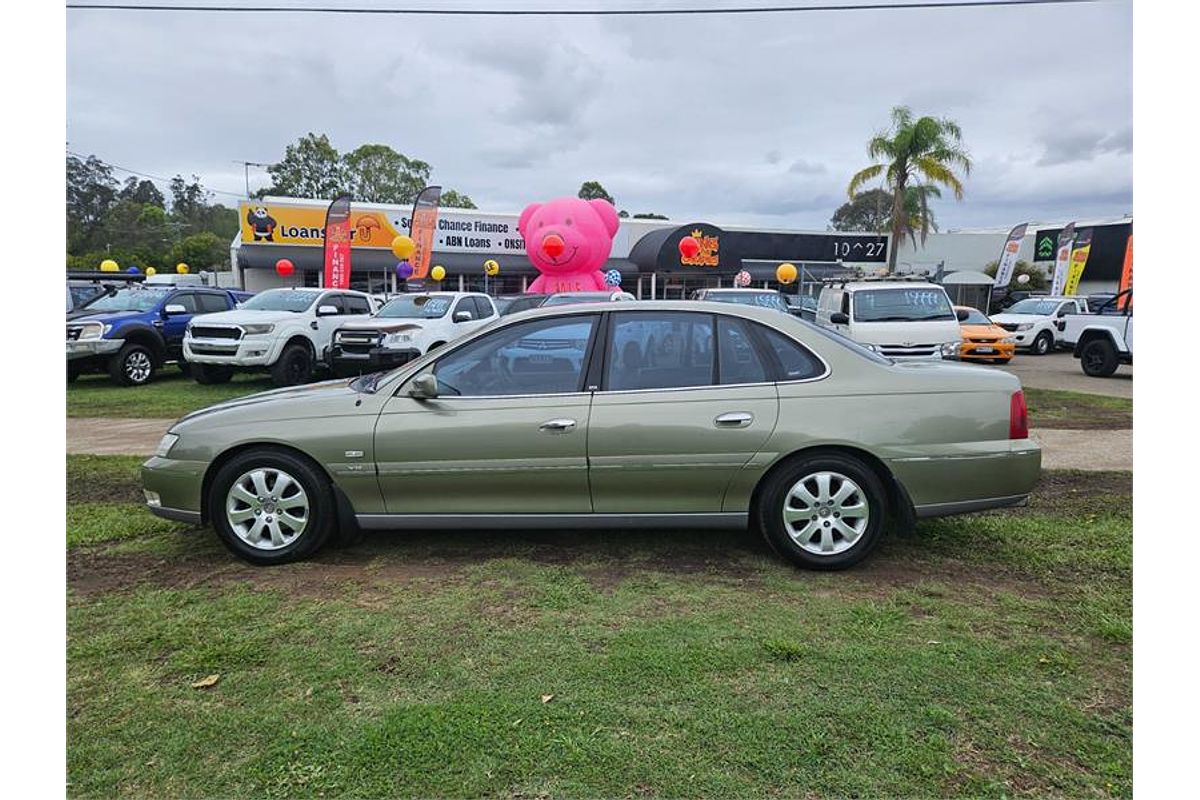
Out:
{"x": 658, "y": 251}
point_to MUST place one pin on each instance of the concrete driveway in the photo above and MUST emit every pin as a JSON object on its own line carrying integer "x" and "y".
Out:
{"x": 1062, "y": 371}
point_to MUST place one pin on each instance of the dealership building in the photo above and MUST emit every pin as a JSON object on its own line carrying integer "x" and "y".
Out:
{"x": 646, "y": 252}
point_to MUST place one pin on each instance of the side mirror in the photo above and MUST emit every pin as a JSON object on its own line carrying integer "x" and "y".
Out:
{"x": 424, "y": 387}
{"x": 327, "y": 311}
{"x": 174, "y": 308}
{"x": 463, "y": 316}
{"x": 962, "y": 314}
{"x": 838, "y": 318}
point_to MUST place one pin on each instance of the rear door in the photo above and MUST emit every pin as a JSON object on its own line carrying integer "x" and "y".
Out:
{"x": 686, "y": 399}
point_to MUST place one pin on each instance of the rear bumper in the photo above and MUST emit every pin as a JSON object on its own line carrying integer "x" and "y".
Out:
{"x": 971, "y": 477}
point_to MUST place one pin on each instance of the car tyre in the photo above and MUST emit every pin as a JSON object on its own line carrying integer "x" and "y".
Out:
{"x": 133, "y": 365}
{"x": 208, "y": 374}
{"x": 1098, "y": 358}
{"x": 293, "y": 519}
{"x": 72, "y": 373}
{"x": 824, "y": 511}
{"x": 295, "y": 366}
{"x": 1043, "y": 344}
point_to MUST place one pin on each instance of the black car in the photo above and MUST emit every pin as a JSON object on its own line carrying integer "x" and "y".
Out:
{"x": 512, "y": 303}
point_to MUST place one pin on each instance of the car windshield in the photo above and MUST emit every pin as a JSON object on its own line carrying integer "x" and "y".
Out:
{"x": 975, "y": 317}
{"x": 1034, "y": 306}
{"x": 760, "y": 299}
{"x": 282, "y": 300}
{"x": 915, "y": 304}
{"x": 131, "y": 299}
{"x": 417, "y": 306}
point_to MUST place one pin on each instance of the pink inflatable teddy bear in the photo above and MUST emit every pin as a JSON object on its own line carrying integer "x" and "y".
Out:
{"x": 568, "y": 240}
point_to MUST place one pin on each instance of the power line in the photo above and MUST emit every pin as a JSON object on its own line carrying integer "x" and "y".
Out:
{"x": 151, "y": 177}
{"x": 594, "y": 12}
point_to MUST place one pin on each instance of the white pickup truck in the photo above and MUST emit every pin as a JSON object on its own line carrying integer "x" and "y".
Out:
{"x": 1103, "y": 339}
{"x": 1035, "y": 322}
{"x": 286, "y": 331}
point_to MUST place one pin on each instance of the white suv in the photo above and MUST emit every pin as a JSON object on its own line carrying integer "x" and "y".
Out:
{"x": 1037, "y": 322}
{"x": 407, "y": 327}
{"x": 284, "y": 330}
{"x": 900, "y": 319}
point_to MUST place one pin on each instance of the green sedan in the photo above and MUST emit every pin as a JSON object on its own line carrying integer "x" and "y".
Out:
{"x": 612, "y": 415}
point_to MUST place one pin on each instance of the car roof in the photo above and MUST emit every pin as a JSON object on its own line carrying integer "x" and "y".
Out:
{"x": 731, "y": 290}
{"x": 855, "y": 285}
{"x": 759, "y": 313}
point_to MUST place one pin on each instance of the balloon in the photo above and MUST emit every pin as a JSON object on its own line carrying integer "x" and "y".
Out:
{"x": 689, "y": 247}
{"x": 612, "y": 277}
{"x": 438, "y": 272}
{"x": 786, "y": 273}
{"x": 404, "y": 270}
{"x": 491, "y": 267}
{"x": 151, "y": 271}
{"x": 741, "y": 279}
{"x": 133, "y": 270}
{"x": 181, "y": 268}
{"x": 403, "y": 246}
{"x": 1023, "y": 277}
{"x": 284, "y": 267}
{"x": 108, "y": 265}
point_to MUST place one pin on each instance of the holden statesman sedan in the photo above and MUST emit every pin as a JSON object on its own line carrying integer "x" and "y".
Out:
{"x": 615, "y": 415}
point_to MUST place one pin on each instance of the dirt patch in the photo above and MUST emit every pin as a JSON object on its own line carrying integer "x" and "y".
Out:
{"x": 1077, "y": 412}
{"x": 113, "y": 489}
{"x": 1068, "y": 492}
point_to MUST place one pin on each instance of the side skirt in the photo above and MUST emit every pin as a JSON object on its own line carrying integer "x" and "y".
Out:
{"x": 376, "y": 522}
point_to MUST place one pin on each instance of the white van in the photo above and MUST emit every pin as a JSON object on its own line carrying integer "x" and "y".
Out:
{"x": 899, "y": 319}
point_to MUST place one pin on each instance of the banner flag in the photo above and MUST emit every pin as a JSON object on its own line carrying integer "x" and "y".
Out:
{"x": 424, "y": 223}
{"x": 1079, "y": 256}
{"x": 1126, "y": 274}
{"x": 1008, "y": 256}
{"x": 337, "y": 243}
{"x": 1062, "y": 260}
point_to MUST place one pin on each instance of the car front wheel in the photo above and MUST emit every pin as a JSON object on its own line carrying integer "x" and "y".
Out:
{"x": 1043, "y": 344}
{"x": 295, "y": 365}
{"x": 1098, "y": 358}
{"x": 133, "y": 365}
{"x": 824, "y": 511}
{"x": 271, "y": 506}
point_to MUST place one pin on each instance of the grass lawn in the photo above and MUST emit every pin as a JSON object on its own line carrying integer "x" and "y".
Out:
{"x": 986, "y": 655}
{"x": 1051, "y": 408}
{"x": 170, "y": 394}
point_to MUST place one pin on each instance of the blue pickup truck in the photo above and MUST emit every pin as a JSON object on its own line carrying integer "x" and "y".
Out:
{"x": 133, "y": 331}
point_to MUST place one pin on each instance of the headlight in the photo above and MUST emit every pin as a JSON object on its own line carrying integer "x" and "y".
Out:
{"x": 1024, "y": 326}
{"x": 949, "y": 349}
{"x": 93, "y": 330}
{"x": 397, "y": 338}
{"x": 1008, "y": 340}
{"x": 255, "y": 330}
{"x": 165, "y": 444}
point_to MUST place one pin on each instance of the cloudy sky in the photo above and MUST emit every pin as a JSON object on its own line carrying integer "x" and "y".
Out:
{"x": 750, "y": 119}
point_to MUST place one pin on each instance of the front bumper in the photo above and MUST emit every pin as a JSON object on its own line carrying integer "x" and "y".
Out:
{"x": 373, "y": 360}
{"x": 91, "y": 348}
{"x": 173, "y": 488}
{"x": 986, "y": 351}
{"x": 245, "y": 352}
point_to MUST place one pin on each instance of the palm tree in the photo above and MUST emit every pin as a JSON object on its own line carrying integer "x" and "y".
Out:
{"x": 927, "y": 150}
{"x": 918, "y": 216}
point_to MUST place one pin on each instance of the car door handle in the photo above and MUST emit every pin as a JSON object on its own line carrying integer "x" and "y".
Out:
{"x": 734, "y": 419}
{"x": 557, "y": 426}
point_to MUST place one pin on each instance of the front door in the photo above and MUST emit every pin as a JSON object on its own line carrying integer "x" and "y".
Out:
{"x": 174, "y": 325}
{"x": 686, "y": 401}
{"x": 507, "y": 433}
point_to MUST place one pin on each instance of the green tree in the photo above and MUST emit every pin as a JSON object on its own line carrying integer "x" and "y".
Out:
{"x": 592, "y": 190}
{"x": 921, "y": 152}
{"x": 1037, "y": 277}
{"x": 311, "y": 167}
{"x": 378, "y": 174}
{"x": 869, "y": 212}
{"x": 142, "y": 191}
{"x": 453, "y": 199}
{"x": 201, "y": 251}
{"x": 918, "y": 216}
{"x": 623, "y": 214}
{"x": 91, "y": 193}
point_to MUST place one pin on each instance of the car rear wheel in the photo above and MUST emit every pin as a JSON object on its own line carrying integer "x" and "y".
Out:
{"x": 133, "y": 365}
{"x": 1098, "y": 358}
{"x": 824, "y": 511}
{"x": 271, "y": 506}
{"x": 295, "y": 365}
{"x": 211, "y": 373}
{"x": 1043, "y": 344}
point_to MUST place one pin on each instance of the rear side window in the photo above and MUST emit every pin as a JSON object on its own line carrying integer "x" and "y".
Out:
{"x": 212, "y": 302}
{"x": 796, "y": 362}
{"x": 353, "y": 304}
{"x": 739, "y": 361}
{"x": 661, "y": 350}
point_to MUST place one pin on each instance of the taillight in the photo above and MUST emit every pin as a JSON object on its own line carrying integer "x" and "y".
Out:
{"x": 1018, "y": 416}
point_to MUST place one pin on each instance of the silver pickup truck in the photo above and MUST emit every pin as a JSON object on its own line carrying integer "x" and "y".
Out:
{"x": 1103, "y": 339}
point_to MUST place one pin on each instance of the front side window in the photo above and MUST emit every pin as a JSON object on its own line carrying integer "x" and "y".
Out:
{"x": 282, "y": 300}
{"x": 416, "y": 306}
{"x": 915, "y": 304}
{"x": 185, "y": 299}
{"x": 544, "y": 356}
{"x": 660, "y": 351}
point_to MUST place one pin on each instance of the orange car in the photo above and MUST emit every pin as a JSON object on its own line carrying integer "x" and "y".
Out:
{"x": 984, "y": 340}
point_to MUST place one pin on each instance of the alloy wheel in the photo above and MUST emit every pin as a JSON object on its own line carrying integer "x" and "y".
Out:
{"x": 138, "y": 366}
{"x": 267, "y": 508}
{"x": 825, "y": 513}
